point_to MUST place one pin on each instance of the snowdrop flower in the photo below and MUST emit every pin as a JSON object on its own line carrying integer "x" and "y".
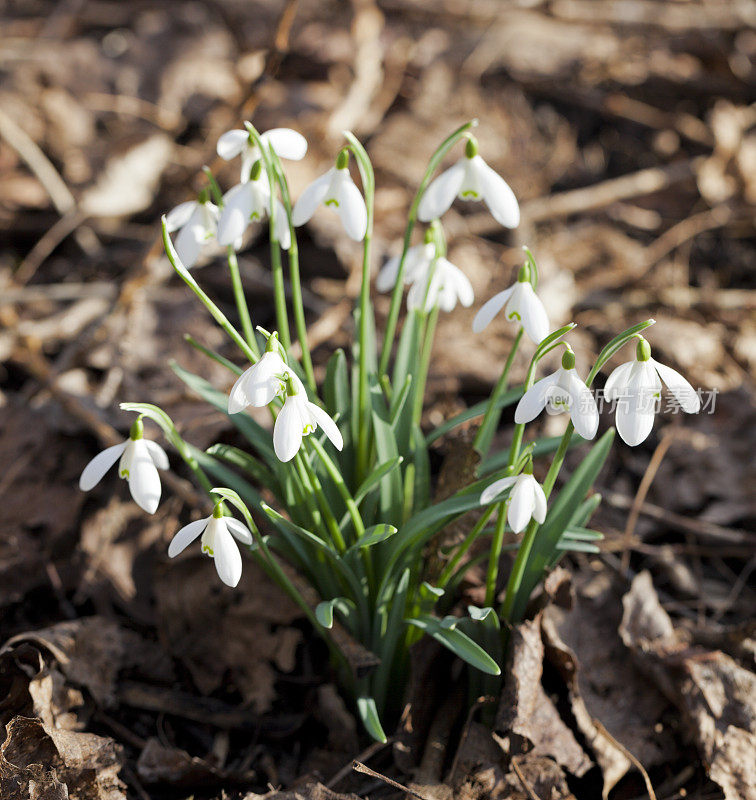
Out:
{"x": 470, "y": 179}
{"x": 140, "y": 461}
{"x": 526, "y": 500}
{"x": 262, "y": 382}
{"x": 336, "y": 188}
{"x": 218, "y": 534}
{"x": 439, "y": 284}
{"x": 521, "y": 303}
{"x": 197, "y": 224}
{"x": 561, "y": 391}
{"x": 298, "y": 418}
{"x": 636, "y": 386}
{"x": 248, "y": 202}
{"x": 286, "y": 142}
{"x": 417, "y": 263}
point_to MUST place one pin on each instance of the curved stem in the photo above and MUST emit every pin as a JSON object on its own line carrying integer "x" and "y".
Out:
{"x": 396, "y": 296}
{"x": 239, "y": 297}
{"x": 468, "y": 541}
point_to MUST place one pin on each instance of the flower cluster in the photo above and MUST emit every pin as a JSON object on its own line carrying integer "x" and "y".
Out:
{"x": 348, "y": 464}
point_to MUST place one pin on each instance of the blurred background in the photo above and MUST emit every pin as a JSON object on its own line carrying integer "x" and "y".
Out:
{"x": 627, "y": 129}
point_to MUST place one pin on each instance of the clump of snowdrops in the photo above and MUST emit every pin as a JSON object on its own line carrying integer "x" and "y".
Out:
{"x": 338, "y": 485}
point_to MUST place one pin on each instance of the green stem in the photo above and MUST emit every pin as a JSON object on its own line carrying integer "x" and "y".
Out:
{"x": 521, "y": 561}
{"x": 328, "y": 516}
{"x": 485, "y": 434}
{"x": 249, "y": 349}
{"x": 466, "y": 544}
{"x": 241, "y": 300}
{"x": 279, "y": 292}
{"x": 296, "y": 283}
{"x": 341, "y": 487}
{"x": 396, "y": 295}
{"x": 217, "y": 357}
{"x": 493, "y": 560}
{"x": 425, "y": 356}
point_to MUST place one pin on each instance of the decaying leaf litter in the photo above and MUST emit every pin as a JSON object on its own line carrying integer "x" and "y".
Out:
{"x": 630, "y": 139}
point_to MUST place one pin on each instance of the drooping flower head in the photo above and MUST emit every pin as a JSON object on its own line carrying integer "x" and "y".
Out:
{"x": 521, "y": 304}
{"x": 247, "y": 202}
{"x": 337, "y": 190}
{"x": 287, "y": 143}
{"x": 636, "y": 387}
{"x": 470, "y": 179}
{"x": 261, "y": 383}
{"x": 140, "y": 460}
{"x": 298, "y": 418}
{"x": 197, "y": 224}
{"x": 218, "y": 534}
{"x": 526, "y": 500}
{"x": 441, "y": 284}
{"x": 561, "y": 391}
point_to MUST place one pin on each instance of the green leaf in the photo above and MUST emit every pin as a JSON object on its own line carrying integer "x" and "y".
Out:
{"x": 480, "y": 614}
{"x": 541, "y": 447}
{"x": 458, "y": 642}
{"x": 324, "y": 613}
{"x": 336, "y": 393}
{"x": 376, "y": 476}
{"x": 558, "y": 518}
{"x": 370, "y": 719}
{"x": 582, "y": 535}
{"x": 570, "y": 546}
{"x": 386, "y": 450}
{"x": 374, "y": 535}
{"x": 259, "y": 472}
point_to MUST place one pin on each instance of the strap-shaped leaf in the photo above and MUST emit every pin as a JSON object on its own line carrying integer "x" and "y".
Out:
{"x": 336, "y": 392}
{"x": 238, "y": 458}
{"x": 509, "y": 398}
{"x": 458, "y": 642}
{"x": 368, "y": 712}
{"x": 376, "y": 476}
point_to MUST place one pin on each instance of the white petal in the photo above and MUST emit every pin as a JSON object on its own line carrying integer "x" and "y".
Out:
{"x": 330, "y": 428}
{"x": 539, "y": 512}
{"x": 617, "y": 381}
{"x": 234, "y": 218}
{"x": 534, "y": 400}
{"x": 387, "y": 276}
{"x": 99, "y": 465}
{"x": 311, "y": 198}
{"x": 421, "y": 295}
{"x": 499, "y": 197}
{"x": 281, "y": 231}
{"x": 521, "y": 504}
{"x": 352, "y": 210}
{"x": 186, "y": 536}
{"x": 287, "y": 432}
{"x": 157, "y": 454}
{"x": 533, "y": 314}
{"x": 227, "y": 557}
{"x": 490, "y": 309}
{"x": 238, "y": 530}
{"x": 495, "y": 489}
{"x": 636, "y": 404}
{"x": 441, "y": 193}
{"x": 144, "y": 481}
{"x": 237, "y": 398}
{"x": 583, "y": 411}
{"x": 286, "y": 142}
{"x": 189, "y": 243}
{"x": 232, "y": 143}
{"x": 178, "y": 217}
{"x": 455, "y": 278}
{"x": 419, "y": 261}
{"x": 684, "y": 393}
{"x": 263, "y": 383}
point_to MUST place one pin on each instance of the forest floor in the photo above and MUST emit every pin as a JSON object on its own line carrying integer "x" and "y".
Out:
{"x": 628, "y": 132}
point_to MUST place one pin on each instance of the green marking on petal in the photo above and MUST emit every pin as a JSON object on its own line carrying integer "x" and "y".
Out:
{"x": 470, "y": 193}
{"x": 514, "y": 315}
{"x": 332, "y": 203}
{"x": 124, "y": 473}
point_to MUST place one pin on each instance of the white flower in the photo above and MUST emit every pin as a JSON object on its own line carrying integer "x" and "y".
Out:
{"x": 140, "y": 461}
{"x": 248, "y": 202}
{"x": 298, "y": 418}
{"x": 218, "y": 533}
{"x": 470, "y": 179}
{"x": 417, "y": 263}
{"x": 197, "y": 224}
{"x": 262, "y": 382}
{"x": 521, "y": 303}
{"x": 526, "y": 500}
{"x": 637, "y": 385}
{"x": 336, "y": 188}
{"x": 561, "y": 391}
{"x": 439, "y": 284}
{"x": 286, "y": 142}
